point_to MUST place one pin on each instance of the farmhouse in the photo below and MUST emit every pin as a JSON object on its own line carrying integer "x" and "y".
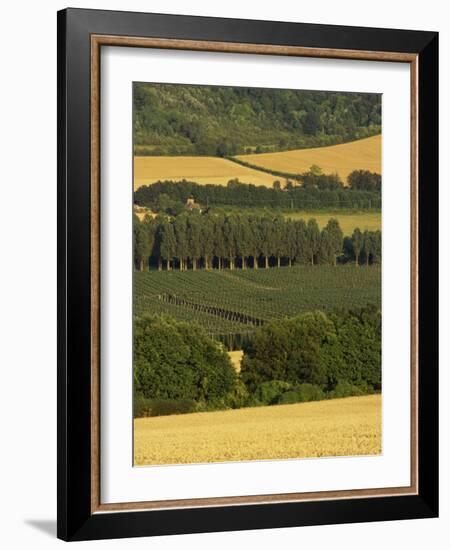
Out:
{"x": 192, "y": 205}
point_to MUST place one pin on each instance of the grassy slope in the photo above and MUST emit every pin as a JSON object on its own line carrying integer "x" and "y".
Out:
{"x": 339, "y": 427}
{"x": 343, "y": 159}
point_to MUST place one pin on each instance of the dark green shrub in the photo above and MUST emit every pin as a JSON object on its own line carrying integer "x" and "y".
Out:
{"x": 270, "y": 392}
{"x": 346, "y": 389}
{"x": 141, "y": 405}
{"x": 162, "y": 407}
{"x": 238, "y": 397}
{"x": 302, "y": 394}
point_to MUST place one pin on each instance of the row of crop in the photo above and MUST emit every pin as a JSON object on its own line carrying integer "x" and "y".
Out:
{"x": 226, "y": 305}
{"x": 256, "y": 293}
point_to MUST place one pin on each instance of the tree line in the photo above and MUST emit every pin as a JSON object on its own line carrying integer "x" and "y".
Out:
{"x": 315, "y": 191}
{"x": 193, "y": 240}
{"x": 178, "y": 368}
{"x": 314, "y": 178}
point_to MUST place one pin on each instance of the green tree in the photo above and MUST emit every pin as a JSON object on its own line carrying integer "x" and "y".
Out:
{"x": 326, "y": 255}
{"x": 182, "y": 245}
{"x": 376, "y": 246}
{"x": 255, "y": 239}
{"x": 278, "y": 242}
{"x": 219, "y": 239}
{"x": 266, "y": 238}
{"x": 357, "y": 243}
{"x": 145, "y": 236}
{"x": 174, "y": 360}
{"x": 229, "y": 236}
{"x": 244, "y": 239}
{"x": 368, "y": 246}
{"x": 207, "y": 240}
{"x": 313, "y": 239}
{"x": 194, "y": 230}
{"x": 296, "y": 350}
{"x": 291, "y": 241}
{"x": 168, "y": 243}
{"x": 336, "y": 238}
{"x": 359, "y": 334}
{"x": 302, "y": 252}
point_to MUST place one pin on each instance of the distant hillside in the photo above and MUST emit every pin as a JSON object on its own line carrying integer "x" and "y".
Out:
{"x": 171, "y": 119}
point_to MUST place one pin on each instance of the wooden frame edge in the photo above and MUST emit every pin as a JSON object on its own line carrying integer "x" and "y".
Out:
{"x": 414, "y": 217}
{"x": 236, "y": 47}
{"x": 95, "y": 273}
{"x": 231, "y": 47}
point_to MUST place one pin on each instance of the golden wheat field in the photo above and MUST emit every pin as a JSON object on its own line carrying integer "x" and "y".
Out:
{"x": 339, "y": 427}
{"x": 343, "y": 159}
{"x": 370, "y": 221}
{"x": 364, "y": 154}
{"x": 202, "y": 170}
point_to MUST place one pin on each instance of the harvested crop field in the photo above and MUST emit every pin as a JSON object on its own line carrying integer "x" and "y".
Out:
{"x": 363, "y": 154}
{"x": 338, "y": 427}
{"x": 202, "y": 170}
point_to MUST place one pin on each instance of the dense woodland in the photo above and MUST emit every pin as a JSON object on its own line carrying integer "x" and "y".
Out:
{"x": 178, "y": 368}
{"x": 215, "y": 241}
{"x": 172, "y": 119}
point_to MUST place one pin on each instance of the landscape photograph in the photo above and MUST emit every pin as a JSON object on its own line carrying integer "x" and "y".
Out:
{"x": 257, "y": 251}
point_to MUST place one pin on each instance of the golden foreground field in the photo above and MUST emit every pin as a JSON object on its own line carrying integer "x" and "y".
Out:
{"x": 202, "y": 170}
{"x": 370, "y": 221}
{"x": 339, "y": 427}
{"x": 364, "y": 154}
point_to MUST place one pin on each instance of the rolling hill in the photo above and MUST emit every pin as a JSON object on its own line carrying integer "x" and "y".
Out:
{"x": 364, "y": 154}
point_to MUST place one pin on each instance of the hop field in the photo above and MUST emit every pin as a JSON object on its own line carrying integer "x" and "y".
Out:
{"x": 234, "y": 301}
{"x": 339, "y": 427}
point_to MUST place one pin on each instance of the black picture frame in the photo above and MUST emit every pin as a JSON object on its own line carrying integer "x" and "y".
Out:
{"x": 75, "y": 518}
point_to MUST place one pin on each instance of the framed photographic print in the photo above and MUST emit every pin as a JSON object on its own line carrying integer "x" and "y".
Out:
{"x": 247, "y": 274}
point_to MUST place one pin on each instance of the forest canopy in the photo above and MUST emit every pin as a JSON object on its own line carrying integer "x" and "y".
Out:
{"x": 171, "y": 119}
{"x": 178, "y": 368}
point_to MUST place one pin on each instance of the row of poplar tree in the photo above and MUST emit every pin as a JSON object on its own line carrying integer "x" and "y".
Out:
{"x": 215, "y": 241}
